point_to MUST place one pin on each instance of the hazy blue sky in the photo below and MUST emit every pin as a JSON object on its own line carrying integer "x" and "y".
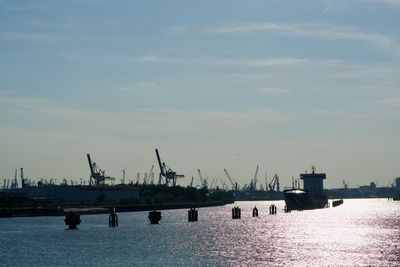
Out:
{"x": 212, "y": 84}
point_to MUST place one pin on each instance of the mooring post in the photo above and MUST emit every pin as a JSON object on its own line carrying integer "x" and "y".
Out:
{"x": 236, "y": 213}
{"x": 272, "y": 209}
{"x": 287, "y": 210}
{"x": 192, "y": 215}
{"x": 72, "y": 220}
{"x": 154, "y": 217}
{"x": 113, "y": 219}
{"x": 255, "y": 212}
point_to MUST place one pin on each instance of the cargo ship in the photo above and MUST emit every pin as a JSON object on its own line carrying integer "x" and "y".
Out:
{"x": 311, "y": 197}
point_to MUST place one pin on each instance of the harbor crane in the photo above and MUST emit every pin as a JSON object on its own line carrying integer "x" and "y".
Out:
{"x": 234, "y": 185}
{"x": 166, "y": 172}
{"x": 345, "y": 185}
{"x": 253, "y": 182}
{"x": 151, "y": 175}
{"x": 137, "y": 178}
{"x": 266, "y": 182}
{"x": 14, "y": 183}
{"x": 23, "y": 181}
{"x": 274, "y": 183}
{"x": 212, "y": 184}
{"x": 97, "y": 174}
{"x": 204, "y": 183}
{"x": 123, "y": 175}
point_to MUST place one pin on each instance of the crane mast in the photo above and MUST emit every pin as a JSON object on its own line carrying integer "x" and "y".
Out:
{"x": 234, "y": 185}
{"x": 254, "y": 181}
{"x": 166, "y": 172}
{"x": 96, "y": 173}
{"x": 203, "y": 182}
{"x": 162, "y": 173}
{"x": 151, "y": 175}
{"x": 274, "y": 183}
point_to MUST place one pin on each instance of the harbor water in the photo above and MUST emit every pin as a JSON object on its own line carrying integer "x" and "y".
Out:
{"x": 361, "y": 232}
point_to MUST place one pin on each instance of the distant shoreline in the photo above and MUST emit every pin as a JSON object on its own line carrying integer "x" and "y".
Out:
{"x": 103, "y": 209}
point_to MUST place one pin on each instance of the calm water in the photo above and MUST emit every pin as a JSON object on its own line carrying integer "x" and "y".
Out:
{"x": 358, "y": 233}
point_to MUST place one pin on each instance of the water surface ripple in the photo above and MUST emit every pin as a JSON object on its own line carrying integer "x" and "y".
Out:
{"x": 362, "y": 232}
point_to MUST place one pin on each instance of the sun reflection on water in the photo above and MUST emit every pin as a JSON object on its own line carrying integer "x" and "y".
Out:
{"x": 358, "y": 233}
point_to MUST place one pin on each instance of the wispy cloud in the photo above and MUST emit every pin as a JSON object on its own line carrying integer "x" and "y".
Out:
{"x": 245, "y": 62}
{"x": 143, "y": 121}
{"x": 360, "y": 116}
{"x": 312, "y": 31}
{"x": 271, "y": 91}
{"x": 33, "y": 37}
{"x": 148, "y": 87}
{"x": 391, "y": 101}
{"x": 119, "y": 59}
{"x": 149, "y": 58}
{"x": 385, "y": 2}
{"x": 367, "y": 73}
{"x": 23, "y": 102}
{"x": 262, "y": 62}
{"x": 249, "y": 77}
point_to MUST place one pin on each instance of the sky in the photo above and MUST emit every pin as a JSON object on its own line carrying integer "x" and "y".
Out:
{"x": 212, "y": 84}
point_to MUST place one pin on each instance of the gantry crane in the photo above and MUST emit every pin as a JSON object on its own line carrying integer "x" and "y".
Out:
{"x": 253, "y": 182}
{"x": 212, "y": 184}
{"x": 274, "y": 183}
{"x": 123, "y": 175}
{"x": 166, "y": 172}
{"x": 234, "y": 185}
{"x": 151, "y": 175}
{"x": 97, "y": 174}
{"x": 203, "y": 182}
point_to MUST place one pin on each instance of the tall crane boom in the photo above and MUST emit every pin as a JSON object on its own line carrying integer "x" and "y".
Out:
{"x": 203, "y": 181}
{"x": 23, "y": 182}
{"x": 254, "y": 181}
{"x": 274, "y": 183}
{"x": 151, "y": 175}
{"x": 234, "y": 185}
{"x": 166, "y": 172}
{"x": 96, "y": 173}
{"x": 212, "y": 183}
{"x": 160, "y": 165}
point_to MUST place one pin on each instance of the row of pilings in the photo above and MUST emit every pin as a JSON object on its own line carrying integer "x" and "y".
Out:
{"x": 72, "y": 219}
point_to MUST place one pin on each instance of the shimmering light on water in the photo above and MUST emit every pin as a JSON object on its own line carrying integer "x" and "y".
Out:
{"x": 358, "y": 233}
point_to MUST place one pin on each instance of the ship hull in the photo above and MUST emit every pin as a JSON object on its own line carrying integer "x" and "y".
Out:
{"x": 258, "y": 195}
{"x": 297, "y": 199}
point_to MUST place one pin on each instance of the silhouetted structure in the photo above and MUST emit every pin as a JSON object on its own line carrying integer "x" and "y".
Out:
{"x": 312, "y": 197}
{"x": 72, "y": 220}
{"x": 287, "y": 210}
{"x": 113, "y": 219}
{"x": 166, "y": 172}
{"x": 96, "y": 173}
{"x": 155, "y": 217}
{"x": 236, "y": 213}
{"x": 272, "y": 209}
{"x": 192, "y": 215}
{"x": 336, "y": 203}
{"x": 255, "y": 212}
